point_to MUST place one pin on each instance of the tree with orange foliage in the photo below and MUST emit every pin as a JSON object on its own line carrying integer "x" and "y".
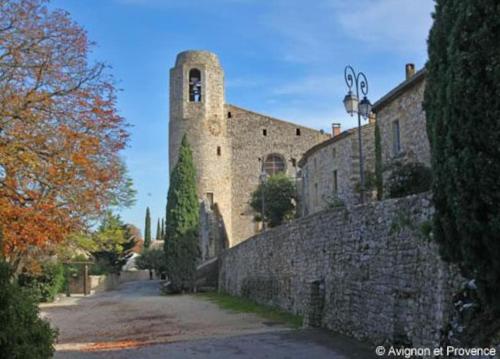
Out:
{"x": 60, "y": 134}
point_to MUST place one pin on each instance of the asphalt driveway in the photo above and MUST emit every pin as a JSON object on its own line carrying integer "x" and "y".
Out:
{"x": 135, "y": 321}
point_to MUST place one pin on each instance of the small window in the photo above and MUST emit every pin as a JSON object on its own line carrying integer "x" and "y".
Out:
{"x": 273, "y": 164}
{"x": 297, "y": 131}
{"x": 316, "y": 194}
{"x": 219, "y": 151}
{"x": 229, "y": 115}
{"x": 335, "y": 183}
{"x": 194, "y": 85}
{"x": 294, "y": 162}
{"x": 210, "y": 199}
{"x": 396, "y": 139}
{"x": 334, "y": 152}
{"x": 264, "y": 132}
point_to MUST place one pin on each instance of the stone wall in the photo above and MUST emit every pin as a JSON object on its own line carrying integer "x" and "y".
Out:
{"x": 371, "y": 269}
{"x": 339, "y": 154}
{"x": 404, "y": 104}
{"x": 249, "y": 147}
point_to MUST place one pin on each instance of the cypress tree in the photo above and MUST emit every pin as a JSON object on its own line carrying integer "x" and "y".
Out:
{"x": 158, "y": 230}
{"x": 162, "y": 231}
{"x": 379, "y": 181}
{"x": 147, "y": 229}
{"x": 462, "y": 104}
{"x": 182, "y": 221}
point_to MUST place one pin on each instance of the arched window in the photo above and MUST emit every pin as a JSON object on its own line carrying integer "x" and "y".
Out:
{"x": 273, "y": 164}
{"x": 195, "y": 85}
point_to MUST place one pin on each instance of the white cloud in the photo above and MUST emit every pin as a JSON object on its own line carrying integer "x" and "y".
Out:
{"x": 398, "y": 25}
{"x": 324, "y": 30}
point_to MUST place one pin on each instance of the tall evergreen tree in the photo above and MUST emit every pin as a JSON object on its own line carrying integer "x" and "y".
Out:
{"x": 147, "y": 229}
{"x": 158, "y": 231}
{"x": 462, "y": 104}
{"x": 182, "y": 222}
{"x": 162, "y": 231}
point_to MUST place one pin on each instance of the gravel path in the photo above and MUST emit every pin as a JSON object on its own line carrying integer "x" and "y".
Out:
{"x": 135, "y": 321}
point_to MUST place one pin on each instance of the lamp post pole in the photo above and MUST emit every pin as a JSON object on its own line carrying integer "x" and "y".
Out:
{"x": 362, "y": 109}
{"x": 263, "y": 177}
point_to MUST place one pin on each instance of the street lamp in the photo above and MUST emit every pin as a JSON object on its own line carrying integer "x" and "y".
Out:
{"x": 263, "y": 179}
{"x": 363, "y": 108}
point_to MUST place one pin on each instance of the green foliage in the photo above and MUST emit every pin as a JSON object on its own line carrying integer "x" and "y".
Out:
{"x": 147, "y": 229}
{"x": 370, "y": 182}
{"x": 462, "y": 105}
{"x": 45, "y": 285}
{"x": 334, "y": 201}
{"x": 182, "y": 222}
{"x": 280, "y": 195}
{"x": 152, "y": 259}
{"x": 379, "y": 180}
{"x": 407, "y": 179}
{"x": 112, "y": 245}
{"x": 158, "y": 231}
{"x": 22, "y": 333}
{"x": 243, "y": 305}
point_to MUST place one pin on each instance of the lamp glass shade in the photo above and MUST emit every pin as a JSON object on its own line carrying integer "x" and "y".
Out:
{"x": 351, "y": 103}
{"x": 365, "y": 107}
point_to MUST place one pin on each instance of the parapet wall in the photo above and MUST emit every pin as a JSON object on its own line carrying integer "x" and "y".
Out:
{"x": 370, "y": 272}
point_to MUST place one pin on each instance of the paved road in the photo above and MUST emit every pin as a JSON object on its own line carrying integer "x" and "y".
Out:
{"x": 136, "y": 322}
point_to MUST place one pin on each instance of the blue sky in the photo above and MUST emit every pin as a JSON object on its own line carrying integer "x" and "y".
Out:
{"x": 284, "y": 58}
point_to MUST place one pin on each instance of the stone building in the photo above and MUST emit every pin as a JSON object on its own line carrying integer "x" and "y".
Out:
{"x": 402, "y": 123}
{"x": 330, "y": 170}
{"x": 231, "y": 147}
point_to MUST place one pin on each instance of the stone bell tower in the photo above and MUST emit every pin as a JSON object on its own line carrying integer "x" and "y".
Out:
{"x": 197, "y": 110}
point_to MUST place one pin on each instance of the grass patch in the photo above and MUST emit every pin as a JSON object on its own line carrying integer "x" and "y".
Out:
{"x": 243, "y": 305}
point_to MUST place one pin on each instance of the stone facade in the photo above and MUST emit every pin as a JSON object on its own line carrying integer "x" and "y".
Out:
{"x": 330, "y": 170}
{"x": 369, "y": 272}
{"x": 228, "y": 143}
{"x": 402, "y": 123}
{"x": 249, "y": 147}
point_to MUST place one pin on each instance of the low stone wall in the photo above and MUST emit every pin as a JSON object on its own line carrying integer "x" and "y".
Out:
{"x": 370, "y": 272}
{"x": 130, "y": 276}
{"x": 103, "y": 283}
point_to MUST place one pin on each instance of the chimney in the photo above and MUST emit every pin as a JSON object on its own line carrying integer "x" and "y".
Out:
{"x": 372, "y": 118}
{"x": 410, "y": 70}
{"x": 335, "y": 129}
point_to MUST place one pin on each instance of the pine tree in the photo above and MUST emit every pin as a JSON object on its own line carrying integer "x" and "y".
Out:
{"x": 158, "y": 230}
{"x": 462, "y": 104}
{"x": 182, "y": 222}
{"x": 147, "y": 229}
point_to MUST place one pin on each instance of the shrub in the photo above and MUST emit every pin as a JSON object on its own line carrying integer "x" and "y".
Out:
{"x": 280, "y": 195}
{"x": 333, "y": 201}
{"x": 152, "y": 259}
{"x": 46, "y": 285}
{"x": 407, "y": 179}
{"x": 22, "y": 333}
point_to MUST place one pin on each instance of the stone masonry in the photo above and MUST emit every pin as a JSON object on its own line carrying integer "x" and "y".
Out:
{"x": 369, "y": 271}
{"x": 228, "y": 144}
{"x": 335, "y": 160}
{"x": 400, "y": 115}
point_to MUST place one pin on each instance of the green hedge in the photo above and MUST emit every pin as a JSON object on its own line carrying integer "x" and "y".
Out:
{"x": 46, "y": 285}
{"x": 22, "y": 333}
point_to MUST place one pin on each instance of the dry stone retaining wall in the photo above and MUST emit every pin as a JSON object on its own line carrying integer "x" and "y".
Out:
{"x": 369, "y": 272}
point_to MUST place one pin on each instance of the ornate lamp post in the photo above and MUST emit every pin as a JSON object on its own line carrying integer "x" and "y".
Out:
{"x": 359, "y": 83}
